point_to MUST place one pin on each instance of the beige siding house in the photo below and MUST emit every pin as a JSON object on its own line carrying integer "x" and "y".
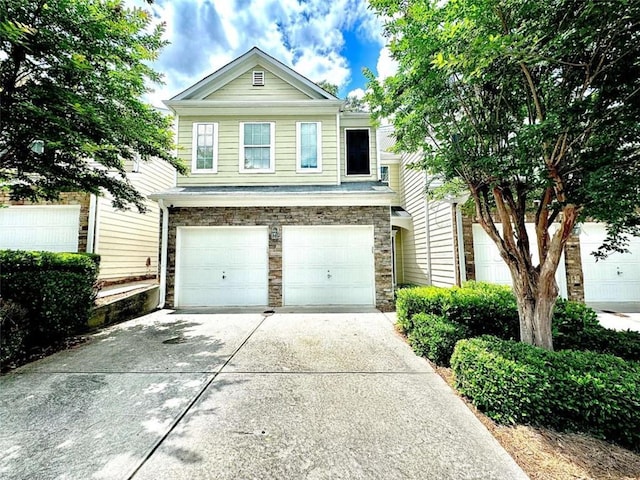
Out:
{"x": 127, "y": 241}
{"x": 282, "y": 205}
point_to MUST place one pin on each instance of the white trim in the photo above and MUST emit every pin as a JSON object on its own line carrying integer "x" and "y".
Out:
{"x": 91, "y": 225}
{"x": 338, "y": 153}
{"x": 346, "y": 152}
{"x": 307, "y": 199}
{"x": 459, "y": 233}
{"x": 272, "y": 150}
{"x": 318, "y": 167}
{"x": 194, "y": 149}
{"x": 163, "y": 253}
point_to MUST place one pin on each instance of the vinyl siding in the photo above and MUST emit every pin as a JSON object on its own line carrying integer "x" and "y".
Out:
{"x": 241, "y": 88}
{"x": 394, "y": 182}
{"x": 414, "y": 241}
{"x": 441, "y": 231}
{"x": 285, "y": 153}
{"x": 125, "y": 239}
{"x": 359, "y": 122}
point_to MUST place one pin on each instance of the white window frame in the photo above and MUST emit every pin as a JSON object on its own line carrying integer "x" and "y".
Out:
{"x": 383, "y": 169}
{"x": 272, "y": 152}
{"x": 194, "y": 149}
{"x": 299, "y": 167}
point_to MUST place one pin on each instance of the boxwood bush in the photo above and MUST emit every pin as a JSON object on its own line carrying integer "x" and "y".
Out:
{"x": 566, "y": 390}
{"x": 488, "y": 309}
{"x": 56, "y": 290}
{"x": 435, "y": 336}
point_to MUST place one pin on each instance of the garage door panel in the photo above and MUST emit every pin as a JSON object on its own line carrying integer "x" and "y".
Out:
{"x": 328, "y": 265}
{"x": 614, "y": 279}
{"x": 51, "y": 228}
{"x": 222, "y": 266}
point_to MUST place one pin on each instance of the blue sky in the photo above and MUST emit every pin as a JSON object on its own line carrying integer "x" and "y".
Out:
{"x": 322, "y": 39}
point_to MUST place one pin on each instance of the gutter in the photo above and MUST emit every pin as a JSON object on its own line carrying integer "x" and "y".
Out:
{"x": 427, "y": 222}
{"x": 163, "y": 253}
{"x": 461, "y": 261}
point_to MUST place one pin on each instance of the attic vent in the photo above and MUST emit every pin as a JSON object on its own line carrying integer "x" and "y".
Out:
{"x": 258, "y": 78}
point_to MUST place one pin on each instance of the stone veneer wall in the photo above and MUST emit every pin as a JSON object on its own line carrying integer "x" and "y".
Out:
{"x": 379, "y": 217}
{"x": 70, "y": 198}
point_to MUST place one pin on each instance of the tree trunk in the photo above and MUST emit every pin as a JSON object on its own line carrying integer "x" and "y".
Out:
{"x": 535, "y": 296}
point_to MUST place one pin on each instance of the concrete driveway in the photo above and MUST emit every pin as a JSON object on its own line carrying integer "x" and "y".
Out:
{"x": 238, "y": 396}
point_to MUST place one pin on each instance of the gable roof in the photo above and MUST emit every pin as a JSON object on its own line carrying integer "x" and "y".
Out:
{"x": 255, "y": 56}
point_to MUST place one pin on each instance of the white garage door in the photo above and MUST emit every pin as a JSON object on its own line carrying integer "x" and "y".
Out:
{"x": 53, "y": 228}
{"x": 490, "y": 266}
{"x": 614, "y": 279}
{"x": 328, "y": 265}
{"x": 222, "y": 266}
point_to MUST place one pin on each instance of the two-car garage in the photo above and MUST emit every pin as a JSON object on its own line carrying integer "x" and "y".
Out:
{"x": 235, "y": 265}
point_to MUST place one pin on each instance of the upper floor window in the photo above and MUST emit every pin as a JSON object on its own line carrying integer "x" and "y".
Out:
{"x": 308, "y": 146}
{"x": 384, "y": 173}
{"x": 205, "y": 146}
{"x": 257, "y": 147}
{"x": 358, "y": 152}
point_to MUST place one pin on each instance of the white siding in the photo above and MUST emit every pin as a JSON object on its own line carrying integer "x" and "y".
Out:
{"x": 285, "y": 151}
{"x": 441, "y": 232}
{"x": 126, "y": 239}
{"x": 414, "y": 242}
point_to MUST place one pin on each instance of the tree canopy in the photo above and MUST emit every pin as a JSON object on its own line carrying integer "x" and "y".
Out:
{"x": 535, "y": 107}
{"x": 72, "y": 74}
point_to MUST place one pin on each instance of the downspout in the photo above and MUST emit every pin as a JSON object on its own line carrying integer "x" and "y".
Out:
{"x": 163, "y": 253}
{"x": 338, "y": 166}
{"x": 91, "y": 223}
{"x": 460, "y": 234}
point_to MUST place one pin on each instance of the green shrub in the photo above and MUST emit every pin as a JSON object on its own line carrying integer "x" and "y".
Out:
{"x": 435, "y": 337}
{"x": 56, "y": 289}
{"x": 13, "y": 331}
{"x": 576, "y": 327}
{"x": 566, "y": 390}
{"x": 419, "y": 300}
{"x": 485, "y": 309}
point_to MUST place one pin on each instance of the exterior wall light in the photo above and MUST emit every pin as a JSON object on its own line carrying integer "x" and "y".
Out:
{"x": 275, "y": 233}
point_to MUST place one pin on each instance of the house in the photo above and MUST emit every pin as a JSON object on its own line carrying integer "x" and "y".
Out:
{"x": 439, "y": 242}
{"x": 283, "y": 205}
{"x": 127, "y": 241}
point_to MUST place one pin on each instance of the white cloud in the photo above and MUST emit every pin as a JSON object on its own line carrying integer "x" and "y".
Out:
{"x": 308, "y": 36}
{"x": 357, "y": 93}
{"x": 386, "y": 66}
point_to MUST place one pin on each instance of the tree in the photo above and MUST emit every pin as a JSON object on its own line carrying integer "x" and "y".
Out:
{"x": 328, "y": 87}
{"x": 535, "y": 108}
{"x": 72, "y": 73}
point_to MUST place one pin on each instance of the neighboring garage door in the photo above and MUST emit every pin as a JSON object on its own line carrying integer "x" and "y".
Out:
{"x": 614, "y": 279}
{"x": 490, "y": 266}
{"x": 221, "y": 266}
{"x": 52, "y": 227}
{"x": 328, "y": 265}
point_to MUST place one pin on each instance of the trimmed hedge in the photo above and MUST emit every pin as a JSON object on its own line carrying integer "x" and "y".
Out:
{"x": 488, "y": 309}
{"x": 483, "y": 308}
{"x": 57, "y": 291}
{"x": 435, "y": 337}
{"x": 576, "y": 326}
{"x": 567, "y": 390}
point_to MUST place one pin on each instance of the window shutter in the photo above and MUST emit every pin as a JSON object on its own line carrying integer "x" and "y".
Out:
{"x": 258, "y": 78}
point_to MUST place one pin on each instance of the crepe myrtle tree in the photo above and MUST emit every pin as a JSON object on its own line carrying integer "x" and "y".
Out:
{"x": 535, "y": 108}
{"x": 72, "y": 74}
